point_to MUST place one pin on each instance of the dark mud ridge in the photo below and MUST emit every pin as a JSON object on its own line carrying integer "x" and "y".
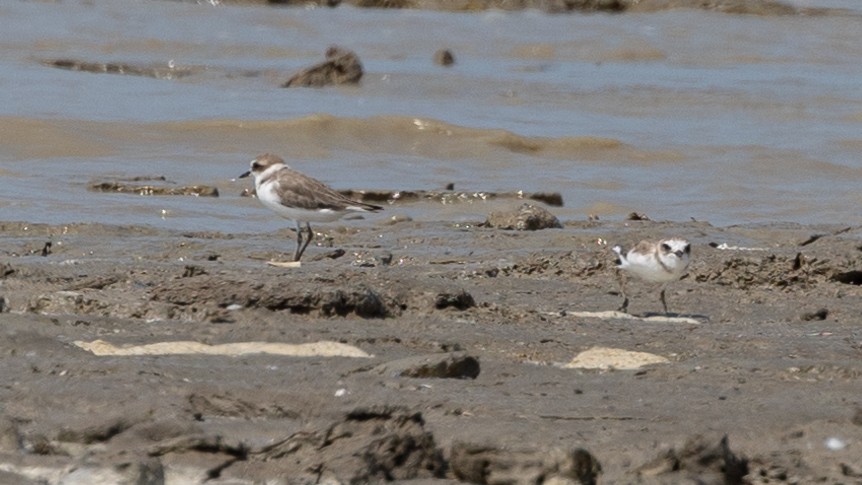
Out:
{"x": 754, "y": 7}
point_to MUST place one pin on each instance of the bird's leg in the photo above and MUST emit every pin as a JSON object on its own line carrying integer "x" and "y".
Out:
{"x": 621, "y": 279}
{"x": 663, "y": 302}
{"x": 300, "y": 250}
{"x": 297, "y": 253}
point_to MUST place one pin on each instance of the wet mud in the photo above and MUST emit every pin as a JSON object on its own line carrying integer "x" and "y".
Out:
{"x": 448, "y": 353}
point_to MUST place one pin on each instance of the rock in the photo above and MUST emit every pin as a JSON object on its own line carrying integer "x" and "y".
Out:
{"x": 817, "y": 315}
{"x": 454, "y": 365}
{"x": 341, "y": 66}
{"x": 528, "y": 217}
{"x": 853, "y": 277}
{"x": 637, "y": 216}
{"x": 444, "y": 57}
{"x": 6, "y": 270}
{"x": 701, "y": 460}
{"x": 490, "y": 465}
{"x": 461, "y": 300}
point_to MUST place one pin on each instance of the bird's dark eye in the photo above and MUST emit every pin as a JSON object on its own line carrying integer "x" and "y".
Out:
{"x": 255, "y": 166}
{"x": 687, "y": 249}
{"x": 665, "y": 247}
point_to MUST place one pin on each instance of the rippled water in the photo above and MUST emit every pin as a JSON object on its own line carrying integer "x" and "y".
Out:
{"x": 679, "y": 114}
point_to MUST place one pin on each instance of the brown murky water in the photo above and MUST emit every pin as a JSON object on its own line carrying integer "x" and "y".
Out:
{"x": 677, "y": 114}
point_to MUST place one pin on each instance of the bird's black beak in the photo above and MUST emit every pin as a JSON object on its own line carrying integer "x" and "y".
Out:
{"x": 245, "y": 174}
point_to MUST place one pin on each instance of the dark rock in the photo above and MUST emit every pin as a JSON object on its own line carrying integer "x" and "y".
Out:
{"x": 444, "y": 57}
{"x": 528, "y": 217}
{"x": 340, "y": 67}
{"x": 853, "y": 277}
{"x": 191, "y": 271}
{"x": 461, "y": 300}
{"x": 6, "y": 270}
{"x": 820, "y": 314}
{"x": 455, "y": 365}
{"x": 490, "y": 465}
{"x": 637, "y": 216}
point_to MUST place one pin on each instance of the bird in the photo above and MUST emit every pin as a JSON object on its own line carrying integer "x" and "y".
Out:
{"x": 299, "y": 197}
{"x": 661, "y": 261}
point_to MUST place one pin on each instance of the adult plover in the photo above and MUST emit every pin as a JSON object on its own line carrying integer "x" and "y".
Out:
{"x": 654, "y": 261}
{"x": 299, "y": 197}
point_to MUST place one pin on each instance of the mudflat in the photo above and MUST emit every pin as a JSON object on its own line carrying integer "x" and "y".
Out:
{"x": 428, "y": 352}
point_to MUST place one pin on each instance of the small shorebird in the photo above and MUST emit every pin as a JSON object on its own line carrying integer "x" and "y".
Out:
{"x": 299, "y": 197}
{"x": 657, "y": 262}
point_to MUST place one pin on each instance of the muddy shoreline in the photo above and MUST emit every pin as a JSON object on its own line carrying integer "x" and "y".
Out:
{"x": 467, "y": 369}
{"x": 744, "y": 7}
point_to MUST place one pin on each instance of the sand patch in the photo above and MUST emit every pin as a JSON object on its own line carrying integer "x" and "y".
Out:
{"x": 608, "y": 358}
{"x": 615, "y": 315}
{"x": 314, "y": 349}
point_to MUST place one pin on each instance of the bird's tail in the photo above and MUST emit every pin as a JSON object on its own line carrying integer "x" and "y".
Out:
{"x": 621, "y": 260}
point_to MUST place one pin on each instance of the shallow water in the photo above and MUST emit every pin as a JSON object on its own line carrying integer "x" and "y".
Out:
{"x": 679, "y": 114}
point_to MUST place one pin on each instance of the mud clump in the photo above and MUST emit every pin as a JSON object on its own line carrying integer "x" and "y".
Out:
{"x": 460, "y": 300}
{"x": 341, "y": 66}
{"x": 454, "y": 365}
{"x": 450, "y": 196}
{"x": 368, "y": 445}
{"x": 201, "y": 292}
{"x": 124, "y": 188}
{"x": 491, "y": 465}
{"x": 701, "y": 460}
{"x": 528, "y": 217}
{"x": 777, "y": 271}
{"x": 444, "y": 57}
{"x": 153, "y": 71}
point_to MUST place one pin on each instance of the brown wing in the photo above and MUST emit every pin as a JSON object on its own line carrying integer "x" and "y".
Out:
{"x": 307, "y": 193}
{"x": 644, "y": 247}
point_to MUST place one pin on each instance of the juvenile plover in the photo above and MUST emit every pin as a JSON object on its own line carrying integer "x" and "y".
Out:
{"x": 299, "y": 197}
{"x": 654, "y": 261}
